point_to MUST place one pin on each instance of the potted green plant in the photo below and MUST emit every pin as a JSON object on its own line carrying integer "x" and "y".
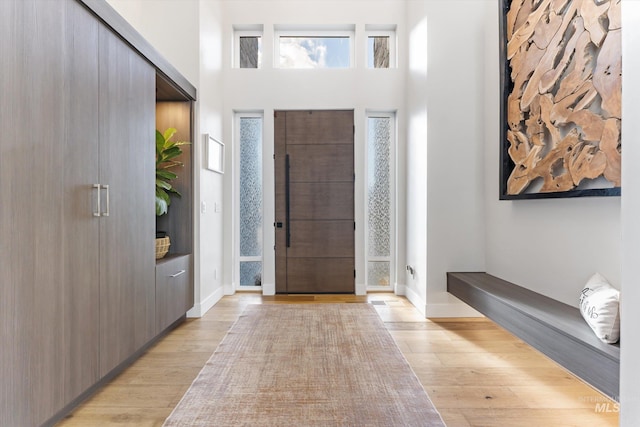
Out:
{"x": 167, "y": 152}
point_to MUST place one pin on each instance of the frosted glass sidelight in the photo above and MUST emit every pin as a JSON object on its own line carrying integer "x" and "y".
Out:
{"x": 251, "y": 273}
{"x": 250, "y": 186}
{"x": 379, "y": 187}
{"x": 378, "y": 273}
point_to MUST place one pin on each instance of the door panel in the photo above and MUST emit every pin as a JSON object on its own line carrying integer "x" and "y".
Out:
{"x": 321, "y": 275}
{"x": 324, "y": 163}
{"x": 322, "y": 239}
{"x": 319, "y": 127}
{"x": 315, "y": 249}
{"x": 322, "y": 200}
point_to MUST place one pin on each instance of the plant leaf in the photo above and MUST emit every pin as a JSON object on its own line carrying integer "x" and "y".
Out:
{"x": 165, "y": 174}
{"x": 168, "y": 134}
{"x": 162, "y": 202}
{"x": 166, "y": 152}
{"x": 159, "y": 144}
{"x": 163, "y": 184}
{"x": 171, "y": 153}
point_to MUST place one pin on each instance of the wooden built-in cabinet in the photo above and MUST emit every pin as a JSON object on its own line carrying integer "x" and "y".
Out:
{"x": 78, "y": 295}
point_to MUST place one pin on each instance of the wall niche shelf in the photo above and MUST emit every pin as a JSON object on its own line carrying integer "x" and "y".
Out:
{"x": 175, "y": 109}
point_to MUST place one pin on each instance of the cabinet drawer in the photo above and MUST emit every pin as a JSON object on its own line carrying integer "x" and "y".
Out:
{"x": 174, "y": 290}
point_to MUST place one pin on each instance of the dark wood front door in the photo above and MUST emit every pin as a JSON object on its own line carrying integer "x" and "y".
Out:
{"x": 315, "y": 238}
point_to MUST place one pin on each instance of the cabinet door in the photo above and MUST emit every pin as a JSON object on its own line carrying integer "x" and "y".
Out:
{"x": 173, "y": 290}
{"x": 127, "y": 234}
{"x": 31, "y": 82}
{"x": 48, "y": 237}
{"x": 80, "y": 226}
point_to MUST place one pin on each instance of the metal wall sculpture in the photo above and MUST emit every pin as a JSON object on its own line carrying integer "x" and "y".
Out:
{"x": 561, "y": 103}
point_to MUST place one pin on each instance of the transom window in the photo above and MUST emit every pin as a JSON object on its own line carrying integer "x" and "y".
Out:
{"x": 248, "y": 46}
{"x": 314, "y": 49}
{"x": 328, "y": 47}
{"x": 381, "y": 46}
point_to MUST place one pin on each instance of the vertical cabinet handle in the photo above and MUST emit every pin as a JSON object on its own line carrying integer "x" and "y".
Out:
{"x": 106, "y": 212}
{"x": 97, "y": 211}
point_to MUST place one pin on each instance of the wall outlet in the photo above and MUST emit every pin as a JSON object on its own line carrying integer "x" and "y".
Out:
{"x": 203, "y": 207}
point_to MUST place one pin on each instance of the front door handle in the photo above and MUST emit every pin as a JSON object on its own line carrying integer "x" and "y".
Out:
{"x": 287, "y": 198}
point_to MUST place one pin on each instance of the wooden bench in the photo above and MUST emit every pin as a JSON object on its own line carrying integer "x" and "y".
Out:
{"x": 554, "y": 328}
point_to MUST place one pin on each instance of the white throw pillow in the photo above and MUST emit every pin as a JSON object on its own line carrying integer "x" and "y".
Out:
{"x": 599, "y": 305}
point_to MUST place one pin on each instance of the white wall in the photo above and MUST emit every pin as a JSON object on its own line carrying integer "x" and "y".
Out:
{"x": 445, "y": 195}
{"x": 268, "y": 89}
{"x": 551, "y": 246}
{"x": 210, "y": 185}
{"x": 416, "y": 156}
{"x": 630, "y": 344}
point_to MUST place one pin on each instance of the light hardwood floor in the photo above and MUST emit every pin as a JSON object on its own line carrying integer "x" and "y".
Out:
{"x": 476, "y": 373}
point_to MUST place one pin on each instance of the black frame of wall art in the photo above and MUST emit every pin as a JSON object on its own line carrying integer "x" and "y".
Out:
{"x": 507, "y": 164}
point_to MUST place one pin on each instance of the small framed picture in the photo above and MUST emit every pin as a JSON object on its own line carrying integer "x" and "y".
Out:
{"x": 214, "y": 154}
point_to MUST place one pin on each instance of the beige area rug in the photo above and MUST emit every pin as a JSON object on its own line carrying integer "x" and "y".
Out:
{"x": 306, "y": 365}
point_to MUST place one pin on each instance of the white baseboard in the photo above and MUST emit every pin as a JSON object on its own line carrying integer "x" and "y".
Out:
{"x": 199, "y": 309}
{"x": 268, "y": 289}
{"x": 415, "y": 299}
{"x": 453, "y": 309}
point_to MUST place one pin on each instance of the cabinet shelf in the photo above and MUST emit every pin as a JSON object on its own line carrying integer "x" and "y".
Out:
{"x": 169, "y": 257}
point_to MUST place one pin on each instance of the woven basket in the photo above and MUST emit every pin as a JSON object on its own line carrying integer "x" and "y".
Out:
{"x": 162, "y": 247}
